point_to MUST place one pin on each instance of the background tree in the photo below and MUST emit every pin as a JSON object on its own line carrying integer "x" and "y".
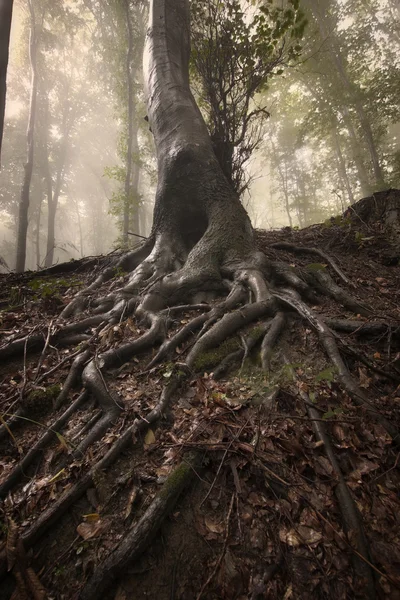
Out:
{"x": 5, "y": 28}
{"x": 34, "y": 35}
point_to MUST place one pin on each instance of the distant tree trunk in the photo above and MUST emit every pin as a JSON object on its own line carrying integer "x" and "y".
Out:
{"x": 135, "y": 183}
{"x": 355, "y": 146}
{"x": 6, "y": 7}
{"x": 128, "y": 175}
{"x": 54, "y": 195}
{"x": 28, "y": 167}
{"x": 342, "y": 165}
{"x": 38, "y": 232}
{"x": 78, "y": 214}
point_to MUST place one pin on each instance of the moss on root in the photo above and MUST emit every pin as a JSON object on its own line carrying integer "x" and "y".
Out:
{"x": 181, "y": 476}
{"x": 40, "y": 400}
{"x": 213, "y": 357}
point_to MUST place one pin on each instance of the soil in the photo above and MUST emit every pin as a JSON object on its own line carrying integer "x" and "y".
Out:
{"x": 261, "y": 518}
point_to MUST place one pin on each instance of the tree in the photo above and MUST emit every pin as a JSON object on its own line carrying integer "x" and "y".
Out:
{"x": 5, "y": 28}
{"x": 28, "y": 167}
{"x": 237, "y": 49}
{"x": 202, "y": 250}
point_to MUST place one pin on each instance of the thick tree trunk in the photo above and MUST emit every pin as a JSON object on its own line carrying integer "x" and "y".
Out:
{"x": 6, "y": 7}
{"x": 196, "y": 210}
{"x": 28, "y": 167}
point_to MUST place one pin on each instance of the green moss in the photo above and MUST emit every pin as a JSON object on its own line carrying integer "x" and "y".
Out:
{"x": 214, "y": 356}
{"x": 39, "y": 401}
{"x": 180, "y": 476}
{"x": 50, "y": 393}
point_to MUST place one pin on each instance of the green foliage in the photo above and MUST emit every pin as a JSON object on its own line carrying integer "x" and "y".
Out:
{"x": 49, "y": 287}
{"x": 236, "y": 49}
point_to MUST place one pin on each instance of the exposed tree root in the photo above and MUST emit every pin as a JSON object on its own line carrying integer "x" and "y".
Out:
{"x": 262, "y": 299}
{"x": 350, "y": 515}
{"x": 316, "y": 252}
{"x": 139, "y": 538}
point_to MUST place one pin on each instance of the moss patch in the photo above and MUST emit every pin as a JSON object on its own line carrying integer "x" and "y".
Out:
{"x": 41, "y": 400}
{"x": 213, "y": 357}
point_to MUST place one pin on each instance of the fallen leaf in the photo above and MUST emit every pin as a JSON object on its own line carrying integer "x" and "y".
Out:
{"x": 90, "y": 530}
{"x": 150, "y": 438}
{"x": 300, "y": 536}
{"x": 214, "y": 526}
{"x": 91, "y": 518}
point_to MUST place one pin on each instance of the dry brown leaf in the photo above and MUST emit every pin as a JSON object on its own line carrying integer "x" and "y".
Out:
{"x": 133, "y": 496}
{"x": 214, "y": 526}
{"x": 89, "y": 530}
{"x": 91, "y": 517}
{"x": 302, "y": 535}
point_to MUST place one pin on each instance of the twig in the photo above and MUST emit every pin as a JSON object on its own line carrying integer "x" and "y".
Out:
{"x": 219, "y": 561}
{"x": 137, "y": 235}
{"x": 222, "y": 462}
{"x": 43, "y": 354}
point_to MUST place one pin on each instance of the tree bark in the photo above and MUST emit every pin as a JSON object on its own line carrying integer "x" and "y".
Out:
{"x": 6, "y": 7}
{"x": 198, "y": 219}
{"x": 28, "y": 167}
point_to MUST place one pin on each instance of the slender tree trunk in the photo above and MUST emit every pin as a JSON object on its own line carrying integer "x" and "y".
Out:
{"x": 342, "y": 165}
{"x": 28, "y": 167}
{"x": 6, "y": 7}
{"x": 128, "y": 175}
{"x": 78, "y": 214}
{"x": 38, "y": 232}
{"x": 135, "y": 183}
{"x": 54, "y": 195}
{"x": 285, "y": 190}
{"x": 355, "y": 146}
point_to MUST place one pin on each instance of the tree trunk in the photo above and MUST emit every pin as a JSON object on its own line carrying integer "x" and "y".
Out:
{"x": 128, "y": 175}
{"x": 341, "y": 165}
{"x": 355, "y": 151}
{"x": 28, "y": 167}
{"x": 135, "y": 207}
{"x": 38, "y": 233}
{"x": 6, "y": 7}
{"x": 198, "y": 219}
{"x": 54, "y": 195}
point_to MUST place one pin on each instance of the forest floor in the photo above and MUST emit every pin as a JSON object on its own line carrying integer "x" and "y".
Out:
{"x": 261, "y": 518}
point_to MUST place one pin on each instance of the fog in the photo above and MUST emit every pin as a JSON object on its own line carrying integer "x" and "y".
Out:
{"x": 332, "y": 135}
